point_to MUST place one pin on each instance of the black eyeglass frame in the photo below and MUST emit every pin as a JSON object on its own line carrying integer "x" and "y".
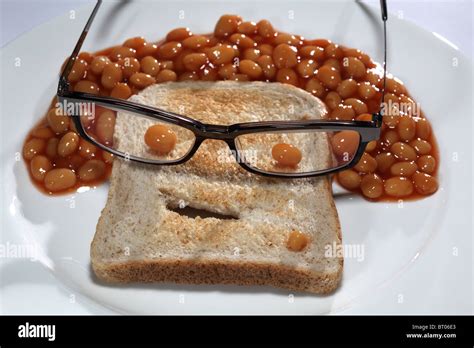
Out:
{"x": 368, "y": 130}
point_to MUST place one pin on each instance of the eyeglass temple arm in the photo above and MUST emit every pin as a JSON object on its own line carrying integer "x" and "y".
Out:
{"x": 383, "y": 8}
{"x": 63, "y": 81}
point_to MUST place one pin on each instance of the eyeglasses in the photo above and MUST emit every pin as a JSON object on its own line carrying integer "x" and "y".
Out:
{"x": 282, "y": 149}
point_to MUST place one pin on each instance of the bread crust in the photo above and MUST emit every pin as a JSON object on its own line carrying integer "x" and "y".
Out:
{"x": 218, "y": 272}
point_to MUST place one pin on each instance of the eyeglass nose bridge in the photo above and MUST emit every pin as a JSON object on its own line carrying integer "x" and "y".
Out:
{"x": 215, "y": 131}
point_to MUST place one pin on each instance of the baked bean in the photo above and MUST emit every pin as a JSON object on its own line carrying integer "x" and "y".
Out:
{"x": 265, "y": 49}
{"x": 42, "y": 132}
{"x": 391, "y": 121}
{"x": 333, "y": 51}
{"x": 84, "y": 86}
{"x": 188, "y": 76}
{"x": 58, "y": 122}
{"x": 385, "y": 160}
{"x": 194, "y": 61}
{"x": 367, "y": 91}
{"x": 265, "y": 29}
{"x": 403, "y": 151}
{"x": 105, "y": 127}
{"x": 427, "y": 164}
{"x": 343, "y": 112}
{"x": 371, "y": 145}
{"x": 87, "y": 149}
{"x": 358, "y": 105}
{"x": 288, "y": 76}
{"x": 334, "y": 63}
{"x": 406, "y": 128}
{"x": 250, "y": 68}
{"x": 39, "y": 166}
{"x": 227, "y": 25}
{"x": 349, "y": 179}
{"x": 121, "y": 52}
{"x": 314, "y": 52}
{"x": 423, "y": 128}
{"x": 284, "y": 56}
{"x": 366, "y": 164}
{"x": 268, "y": 68}
{"x": 390, "y": 137}
{"x": 208, "y": 74}
{"x": 91, "y": 170}
{"x": 178, "y": 34}
{"x": 169, "y": 50}
{"x": 347, "y": 88}
{"x": 68, "y": 144}
{"x": 315, "y": 87}
{"x": 403, "y": 169}
{"x": 247, "y": 28}
{"x": 141, "y": 80}
{"x": 395, "y": 87}
{"x": 86, "y": 56}
{"x": 221, "y": 54}
{"x": 251, "y": 54}
{"x": 59, "y": 179}
{"x": 227, "y": 71}
{"x": 135, "y": 42}
{"x": 307, "y": 68}
{"x": 148, "y": 49}
{"x": 98, "y": 64}
{"x": 284, "y": 38}
{"x": 286, "y": 155}
{"x": 333, "y": 100}
{"x": 364, "y": 117}
{"x": 353, "y": 67}
{"x": 78, "y": 71}
{"x": 398, "y": 187}
{"x": 111, "y": 75}
{"x": 374, "y": 79}
{"x": 195, "y": 42}
{"x": 130, "y": 66}
{"x": 345, "y": 144}
{"x": 422, "y": 147}
{"x": 166, "y": 75}
{"x": 353, "y": 52}
{"x": 33, "y": 147}
{"x": 242, "y": 40}
{"x": 329, "y": 76}
{"x": 371, "y": 186}
{"x": 52, "y": 148}
{"x": 391, "y": 98}
{"x": 425, "y": 184}
{"x": 166, "y": 64}
{"x": 121, "y": 91}
{"x": 149, "y": 65}
{"x": 108, "y": 157}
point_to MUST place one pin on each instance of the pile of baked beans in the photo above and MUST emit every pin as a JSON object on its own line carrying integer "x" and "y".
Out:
{"x": 402, "y": 164}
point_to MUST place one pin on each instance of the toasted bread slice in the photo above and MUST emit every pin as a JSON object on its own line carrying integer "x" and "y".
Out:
{"x": 143, "y": 236}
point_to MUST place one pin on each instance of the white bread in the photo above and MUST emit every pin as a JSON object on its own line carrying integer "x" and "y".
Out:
{"x": 142, "y": 237}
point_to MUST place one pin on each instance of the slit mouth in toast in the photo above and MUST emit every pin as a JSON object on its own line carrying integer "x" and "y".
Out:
{"x": 192, "y": 213}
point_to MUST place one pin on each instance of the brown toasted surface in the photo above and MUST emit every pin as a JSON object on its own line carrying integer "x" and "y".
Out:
{"x": 139, "y": 238}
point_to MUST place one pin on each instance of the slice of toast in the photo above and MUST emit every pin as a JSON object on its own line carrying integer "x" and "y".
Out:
{"x": 144, "y": 236}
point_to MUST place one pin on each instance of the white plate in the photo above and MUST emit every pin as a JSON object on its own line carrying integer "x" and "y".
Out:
{"x": 416, "y": 255}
